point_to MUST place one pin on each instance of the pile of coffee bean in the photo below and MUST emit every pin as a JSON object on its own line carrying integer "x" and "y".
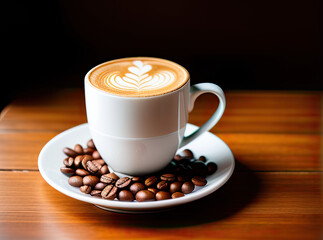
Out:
{"x": 89, "y": 172}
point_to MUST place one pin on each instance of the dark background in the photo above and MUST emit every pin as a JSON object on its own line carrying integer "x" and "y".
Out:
{"x": 235, "y": 44}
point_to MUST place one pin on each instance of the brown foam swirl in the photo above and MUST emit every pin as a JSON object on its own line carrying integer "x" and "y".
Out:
{"x": 138, "y": 77}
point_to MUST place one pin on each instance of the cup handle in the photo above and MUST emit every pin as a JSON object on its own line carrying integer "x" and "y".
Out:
{"x": 195, "y": 91}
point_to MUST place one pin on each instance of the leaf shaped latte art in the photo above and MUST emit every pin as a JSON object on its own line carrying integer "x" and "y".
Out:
{"x": 138, "y": 78}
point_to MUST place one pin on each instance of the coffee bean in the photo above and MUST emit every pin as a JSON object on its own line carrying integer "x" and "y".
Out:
{"x": 96, "y": 155}
{"x": 68, "y": 162}
{"x": 169, "y": 177}
{"x": 78, "y": 149}
{"x": 199, "y": 168}
{"x": 109, "y": 178}
{"x": 67, "y": 170}
{"x": 150, "y": 181}
{"x": 88, "y": 151}
{"x": 182, "y": 178}
{"x": 188, "y": 153}
{"x": 145, "y": 195}
{"x": 153, "y": 190}
{"x": 162, "y": 185}
{"x": 199, "y": 181}
{"x": 136, "y": 179}
{"x": 187, "y": 187}
{"x": 81, "y": 172}
{"x": 175, "y": 187}
{"x": 90, "y": 180}
{"x": 93, "y": 166}
{"x": 70, "y": 152}
{"x": 96, "y": 193}
{"x": 103, "y": 170}
{"x": 202, "y": 159}
{"x": 100, "y": 186}
{"x": 125, "y": 195}
{"x": 178, "y": 157}
{"x": 78, "y": 161}
{"x": 136, "y": 187}
{"x": 177, "y": 195}
{"x": 99, "y": 161}
{"x": 123, "y": 182}
{"x": 211, "y": 168}
{"x": 162, "y": 195}
{"x": 90, "y": 144}
{"x": 85, "y": 159}
{"x": 75, "y": 181}
{"x": 85, "y": 189}
{"x": 109, "y": 192}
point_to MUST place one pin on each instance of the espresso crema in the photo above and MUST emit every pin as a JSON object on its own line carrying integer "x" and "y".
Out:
{"x": 138, "y": 76}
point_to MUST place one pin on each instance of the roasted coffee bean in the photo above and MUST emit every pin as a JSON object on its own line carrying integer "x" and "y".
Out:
{"x": 81, "y": 172}
{"x": 145, "y": 195}
{"x": 78, "y": 149}
{"x": 177, "y": 195}
{"x": 162, "y": 185}
{"x": 85, "y": 159}
{"x": 68, "y": 162}
{"x": 109, "y": 192}
{"x": 96, "y": 193}
{"x": 202, "y": 159}
{"x": 162, "y": 195}
{"x": 93, "y": 167}
{"x": 211, "y": 168}
{"x": 78, "y": 161}
{"x": 125, "y": 195}
{"x": 187, "y": 187}
{"x": 199, "y": 181}
{"x": 188, "y": 153}
{"x": 67, "y": 170}
{"x": 100, "y": 186}
{"x": 136, "y": 187}
{"x": 90, "y": 144}
{"x": 153, "y": 190}
{"x": 123, "y": 182}
{"x": 103, "y": 170}
{"x": 175, "y": 187}
{"x": 186, "y": 169}
{"x": 85, "y": 189}
{"x": 75, "y": 181}
{"x": 151, "y": 181}
{"x": 169, "y": 177}
{"x": 99, "y": 161}
{"x": 136, "y": 179}
{"x": 178, "y": 157}
{"x": 199, "y": 168}
{"x": 90, "y": 180}
{"x": 96, "y": 155}
{"x": 109, "y": 178}
{"x": 182, "y": 178}
{"x": 88, "y": 151}
{"x": 70, "y": 152}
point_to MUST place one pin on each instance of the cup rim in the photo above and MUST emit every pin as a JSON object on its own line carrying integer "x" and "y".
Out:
{"x": 87, "y": 81}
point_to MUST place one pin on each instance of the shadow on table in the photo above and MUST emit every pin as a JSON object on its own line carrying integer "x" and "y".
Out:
{"x": 236, "y": 194}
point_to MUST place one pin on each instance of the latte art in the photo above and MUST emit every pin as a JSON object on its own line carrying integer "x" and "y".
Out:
{"x": 138, "y": 77}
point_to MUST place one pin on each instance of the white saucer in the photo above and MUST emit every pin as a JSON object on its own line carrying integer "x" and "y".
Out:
{"x": 213, "y": 148}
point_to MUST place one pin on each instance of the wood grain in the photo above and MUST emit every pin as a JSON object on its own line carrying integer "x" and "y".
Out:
{"x": 274, "y": 193}
{"x": 251, "y": 112}
{"x": 249, "y": 206}
{"x": 261, "y": 152}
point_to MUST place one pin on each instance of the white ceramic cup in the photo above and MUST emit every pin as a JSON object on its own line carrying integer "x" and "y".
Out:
{"x": 140, "y": 135}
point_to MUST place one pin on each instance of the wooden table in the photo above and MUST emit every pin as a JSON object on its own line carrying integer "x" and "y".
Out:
{"x": 274, "y": 193}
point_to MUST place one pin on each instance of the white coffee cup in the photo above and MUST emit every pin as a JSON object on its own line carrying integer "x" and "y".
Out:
{"x": 140, "y": 135}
